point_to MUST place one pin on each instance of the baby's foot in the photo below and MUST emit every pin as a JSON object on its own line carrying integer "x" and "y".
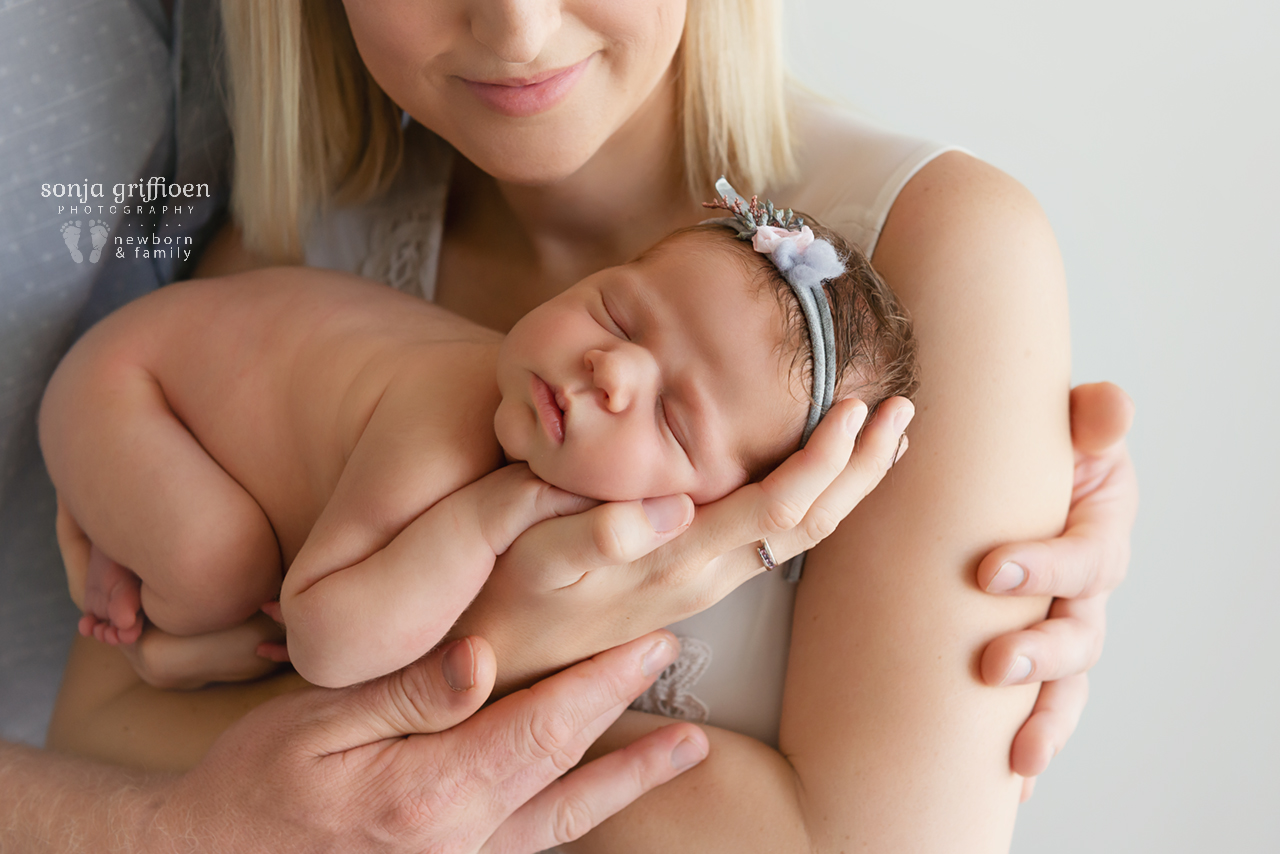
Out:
{"x": 71, "y": 237}
{"x": 98, "y": 236}
{"x": 112, "y": 601}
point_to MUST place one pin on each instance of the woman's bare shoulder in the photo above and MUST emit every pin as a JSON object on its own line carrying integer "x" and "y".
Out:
{"x": 982, "y": 227}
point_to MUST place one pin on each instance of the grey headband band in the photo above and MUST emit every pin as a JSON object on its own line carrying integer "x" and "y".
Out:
{"x": 805, "y": 263}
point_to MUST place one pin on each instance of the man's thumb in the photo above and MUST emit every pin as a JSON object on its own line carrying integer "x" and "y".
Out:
{"x": 436, "y": 692}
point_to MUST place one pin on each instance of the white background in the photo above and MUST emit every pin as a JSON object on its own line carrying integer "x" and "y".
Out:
{"x": 1150, "y": 133}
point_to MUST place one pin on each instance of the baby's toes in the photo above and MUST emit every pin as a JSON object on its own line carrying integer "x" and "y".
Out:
{"x": 131, "y": 634}
{"x": 86, "y": 624}
{"x": 124, "y": 602}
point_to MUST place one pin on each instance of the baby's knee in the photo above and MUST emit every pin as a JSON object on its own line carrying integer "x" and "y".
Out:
{"x": 219, "y": 574}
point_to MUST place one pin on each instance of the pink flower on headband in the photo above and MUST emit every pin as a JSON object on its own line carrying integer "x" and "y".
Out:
{"x": 768, "y": 238}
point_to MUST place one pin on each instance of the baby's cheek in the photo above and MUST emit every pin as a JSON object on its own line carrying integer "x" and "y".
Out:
{"x": 599, "y": 475}
{"x": 512, "y": 434}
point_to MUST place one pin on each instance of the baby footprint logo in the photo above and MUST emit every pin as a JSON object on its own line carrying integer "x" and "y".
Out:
{"x": 71, "y": 237}
{"x": 97, "y": 237}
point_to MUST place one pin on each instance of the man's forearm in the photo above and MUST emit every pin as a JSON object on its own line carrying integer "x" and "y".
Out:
{"x": 50, "y": 802}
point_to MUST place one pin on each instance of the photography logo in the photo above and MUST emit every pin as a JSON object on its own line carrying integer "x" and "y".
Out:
{"x": 97, "y": 239}
{"x": 151, "y": 198}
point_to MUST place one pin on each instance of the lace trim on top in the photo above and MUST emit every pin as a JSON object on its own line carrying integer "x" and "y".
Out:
{"x": 672, "y": 694}
{"x": 408, "y": 225}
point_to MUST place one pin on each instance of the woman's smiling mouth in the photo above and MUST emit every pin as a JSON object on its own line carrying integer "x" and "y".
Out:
{"x": 550, "y": 414}
{"x": 521, "y": 97}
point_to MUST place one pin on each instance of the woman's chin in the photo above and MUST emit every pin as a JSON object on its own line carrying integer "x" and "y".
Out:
{"x": 527, "y": 169}
{"x": 531, "y": 158}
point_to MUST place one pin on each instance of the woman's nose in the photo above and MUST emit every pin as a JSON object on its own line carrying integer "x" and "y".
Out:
{"x": 515, "y": 30}
{"x": 620, "y": 375}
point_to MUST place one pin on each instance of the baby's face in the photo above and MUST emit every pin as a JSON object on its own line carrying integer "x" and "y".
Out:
{"x": 661, "y": 376}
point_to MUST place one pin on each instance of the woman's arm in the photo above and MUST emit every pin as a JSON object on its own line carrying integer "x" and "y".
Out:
{"x": 889, "y": 739}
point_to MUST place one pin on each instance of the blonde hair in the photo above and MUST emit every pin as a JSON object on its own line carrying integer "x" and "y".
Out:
{"x": 311, "y": 127}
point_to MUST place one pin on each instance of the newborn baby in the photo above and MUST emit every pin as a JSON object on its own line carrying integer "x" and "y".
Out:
{"x": 314, "y": 436}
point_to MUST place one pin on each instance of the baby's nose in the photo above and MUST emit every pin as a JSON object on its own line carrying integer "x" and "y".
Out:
{"x": 619, "y": 376}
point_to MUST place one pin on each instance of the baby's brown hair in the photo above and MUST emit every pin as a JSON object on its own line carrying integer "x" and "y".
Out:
{"x": 875, "y": 347}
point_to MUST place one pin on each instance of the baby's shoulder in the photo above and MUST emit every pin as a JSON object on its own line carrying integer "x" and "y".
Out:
{"x": 434, "y": 413}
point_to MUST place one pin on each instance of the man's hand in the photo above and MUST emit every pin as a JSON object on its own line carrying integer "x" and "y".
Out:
{"x": 1081, "y": 568}
{"x": 406, "y": 763}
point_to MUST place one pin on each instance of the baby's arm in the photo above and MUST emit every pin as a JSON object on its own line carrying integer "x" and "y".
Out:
{"x": 400, "y": 550}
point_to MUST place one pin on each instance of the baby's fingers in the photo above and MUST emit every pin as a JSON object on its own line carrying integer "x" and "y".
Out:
{"x": 513, "y": 499}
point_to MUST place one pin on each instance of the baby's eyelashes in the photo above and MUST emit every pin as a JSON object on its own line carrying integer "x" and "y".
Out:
{"x": 617, "y": 328}
{"x": 664, "y": 419}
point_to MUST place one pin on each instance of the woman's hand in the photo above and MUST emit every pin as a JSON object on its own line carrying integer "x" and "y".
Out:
{"x": 1081, "y": 568}
{"x": 574, "y": 585}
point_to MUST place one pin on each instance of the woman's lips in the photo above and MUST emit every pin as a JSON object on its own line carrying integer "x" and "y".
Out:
{"x": 520, "y": 97}
{"x": 549, "y": 412}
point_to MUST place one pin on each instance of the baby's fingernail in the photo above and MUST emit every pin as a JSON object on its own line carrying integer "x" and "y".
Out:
{"x": 666, "y": 513}
{"x": 1020, "y": 670}
{"x": 854, "y": 420}
{"x": 686, "y": 755}
{"x": 903, "y": 416}
{"x": 459, "y": 665}
{"x": 657, "y": 658}
{"x": 1008, "y": 578}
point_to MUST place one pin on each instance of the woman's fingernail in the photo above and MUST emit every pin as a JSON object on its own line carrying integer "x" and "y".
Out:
{"x": 459, "y": 665}
{"x": 686, "y": 755}
{"x": 657, "y": 658}
{"x": 854, "y": 420}
{"x": 903, "y": 416}
{"x": 1008, "y": 578}
{"x": 903, "y": 444}
{"x": 666, "y": 513}
{"x": 1020, "y": 670}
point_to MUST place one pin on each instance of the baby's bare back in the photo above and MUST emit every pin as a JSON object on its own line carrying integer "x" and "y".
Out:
{"x": 276, "y": 373}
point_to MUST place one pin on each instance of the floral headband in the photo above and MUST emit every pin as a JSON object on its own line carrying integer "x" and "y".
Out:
{"x": 805, "y": 263}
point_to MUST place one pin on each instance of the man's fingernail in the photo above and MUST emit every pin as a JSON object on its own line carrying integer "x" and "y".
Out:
{"x": 657, "y": 658}
{"x": 854, "y": 420}
{"x": 903, "y": 416}
{"x": 1008, "y": 578}
{"x": 459, "y": 665}
{"x": 1020, "y": 670}
{"x": 686, "y": 755}
{"x": 666, "y": 513}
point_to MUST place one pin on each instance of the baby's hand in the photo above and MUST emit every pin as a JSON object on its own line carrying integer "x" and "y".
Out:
{"x": 513, "y": 499}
